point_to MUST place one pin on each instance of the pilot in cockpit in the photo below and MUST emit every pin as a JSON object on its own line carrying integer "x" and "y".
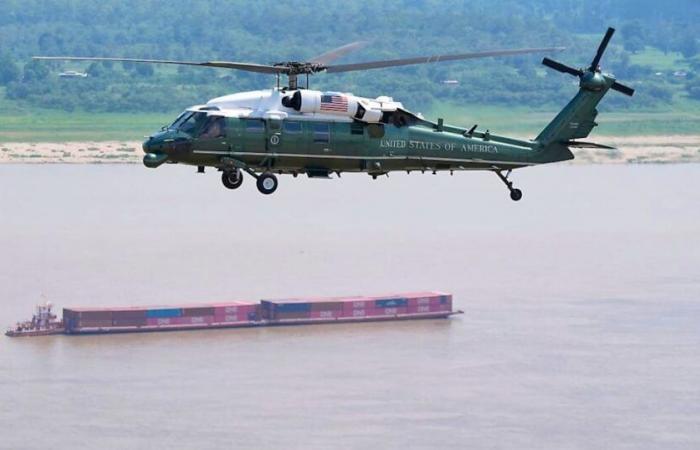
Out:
{"x": 215, "y": 128}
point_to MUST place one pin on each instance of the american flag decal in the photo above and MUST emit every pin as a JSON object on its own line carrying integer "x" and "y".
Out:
{"x": 335, "y": 103}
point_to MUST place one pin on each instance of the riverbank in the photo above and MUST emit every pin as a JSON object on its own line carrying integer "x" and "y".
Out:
{"x": 629, "y": 149}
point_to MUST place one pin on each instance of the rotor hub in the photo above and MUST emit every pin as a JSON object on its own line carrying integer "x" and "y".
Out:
{"x": 592, "y": 81}
{"x": 300, "y": 68}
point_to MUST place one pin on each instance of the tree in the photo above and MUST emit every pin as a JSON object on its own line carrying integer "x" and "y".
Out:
{"x": 144, "y": 70}
{"x": 9, "y": 71}
{"x": 634, "y": 36}
{"x": 689, "y": 46}
{"x": 35, "y": 71}
{"x": 96, "y": 70}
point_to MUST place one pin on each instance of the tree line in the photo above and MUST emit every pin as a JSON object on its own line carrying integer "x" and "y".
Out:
{"x": 272, "y": 31}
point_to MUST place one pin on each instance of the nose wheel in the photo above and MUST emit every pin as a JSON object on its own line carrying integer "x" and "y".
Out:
{"x": 232, "y": 179}
{"x": 515, "y": 194}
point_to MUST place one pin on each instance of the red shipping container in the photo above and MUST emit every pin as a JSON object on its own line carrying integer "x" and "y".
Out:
{"x": 123, "y": 314}
{"x": 230, "y": 318}
{"x": 386, "y": 311}
{"x": 326, "y": 314}
{"x": 240, "y": 313}
{"x": 418, "y": 309}
{"x": 226, "y": 310}
{"x": 357, "y": 304}
{"x": 95, "y": 315}
{"x": 354, "y": 313}
{"x": 444, "y": 307}
{"x": 193, "y": 320}
{"x": 292, "y": 315}
{"x": 160, "y": 321}
{"x": 198, "y": 312}
{"x": 94, "y": 324}
{"x": 129, "y": 322}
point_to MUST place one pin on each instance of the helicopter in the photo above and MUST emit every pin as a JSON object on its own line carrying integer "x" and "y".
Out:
{"x": 296, "y": 130}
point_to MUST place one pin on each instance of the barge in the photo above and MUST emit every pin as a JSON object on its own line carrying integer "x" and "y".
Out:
{"x": 239, "y": 314}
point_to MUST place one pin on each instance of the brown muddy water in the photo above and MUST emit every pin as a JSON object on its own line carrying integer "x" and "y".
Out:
{"x": 581, "y": 325}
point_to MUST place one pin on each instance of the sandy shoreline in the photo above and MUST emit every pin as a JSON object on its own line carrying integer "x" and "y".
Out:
{"x": 635, "y": 149}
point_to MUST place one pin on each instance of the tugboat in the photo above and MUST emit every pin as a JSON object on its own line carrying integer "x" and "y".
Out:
{"x": 43, "y": 323}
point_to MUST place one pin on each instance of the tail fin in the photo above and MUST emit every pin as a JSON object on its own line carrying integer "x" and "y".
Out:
{"x": 577, "y": 119}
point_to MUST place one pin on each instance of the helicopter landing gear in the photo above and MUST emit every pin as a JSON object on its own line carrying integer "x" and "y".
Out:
{"x": 515, "y": 194}
{"x": 267, "y": 183}
{"x": 232, "y": 179}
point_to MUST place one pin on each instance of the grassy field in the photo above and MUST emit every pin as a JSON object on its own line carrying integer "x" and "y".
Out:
{"x": 50, "y": 126}
{"x": 683, "y": 119}
{"x": 26, "y": 125}
{"x": 658, "y": 60}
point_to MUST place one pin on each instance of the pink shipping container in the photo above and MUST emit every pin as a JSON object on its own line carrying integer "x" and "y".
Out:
{"x": 235, "y": 311}
{"x": 355, "y": 313}
{"x": 160, "y": 321}
{"x": 358, "y": 303}
{"x": 230, "y": 318}
{"x": 195, "y": 320}
{"x": 387, "y": 311}
{"x": 327, "y": 314}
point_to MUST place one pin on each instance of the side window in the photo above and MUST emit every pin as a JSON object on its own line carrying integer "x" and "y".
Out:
{"x": 322, "y": 133}
{"x": 254, "y": 126}
{"x": 375, "y": 130}
{"x": 357, "y": 128}
{"x": 214, "y": 128}
{"x": 292, "y": 127}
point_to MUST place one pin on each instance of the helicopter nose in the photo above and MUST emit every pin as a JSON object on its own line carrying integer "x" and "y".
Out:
{"x": 154, "y": 145}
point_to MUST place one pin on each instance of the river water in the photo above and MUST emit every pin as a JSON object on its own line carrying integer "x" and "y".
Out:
{"x": 581, "y": 325}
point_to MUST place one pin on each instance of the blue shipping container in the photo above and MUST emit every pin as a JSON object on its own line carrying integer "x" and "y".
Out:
{"x": 292, "y": 307}
{"x": 390, "y": 302}
{"x": 163, "y": 313}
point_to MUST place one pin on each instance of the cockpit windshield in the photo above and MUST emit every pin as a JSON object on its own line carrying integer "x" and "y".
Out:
{"x": 181, "y": 118}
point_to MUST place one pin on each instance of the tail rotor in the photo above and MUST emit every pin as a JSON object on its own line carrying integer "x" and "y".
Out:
{"x": 591, "y": 77}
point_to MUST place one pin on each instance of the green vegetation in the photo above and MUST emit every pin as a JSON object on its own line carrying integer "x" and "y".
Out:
{"x": 528, "y": 123}
{"x": 656, "y": 50}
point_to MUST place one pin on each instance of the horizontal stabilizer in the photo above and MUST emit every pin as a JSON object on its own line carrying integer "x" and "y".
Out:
{"x": 581, "y": 144}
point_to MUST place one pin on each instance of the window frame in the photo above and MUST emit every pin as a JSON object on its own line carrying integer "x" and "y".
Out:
{"x": 326, "y": 135}
{"x": 256, "y": 130}
{"x": 298, "y": 123}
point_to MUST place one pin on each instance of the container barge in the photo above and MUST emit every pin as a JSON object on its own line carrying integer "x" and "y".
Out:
{"x": 238, "y": 314}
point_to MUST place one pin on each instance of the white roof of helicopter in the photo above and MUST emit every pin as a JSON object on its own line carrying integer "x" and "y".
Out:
{"x": 267, "y": 104}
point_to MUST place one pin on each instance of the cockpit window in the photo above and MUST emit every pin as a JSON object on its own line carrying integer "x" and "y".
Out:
{"x": 193, "y": 123}
{"x": 215, "y": 127}
{"x": 181, "y": 118}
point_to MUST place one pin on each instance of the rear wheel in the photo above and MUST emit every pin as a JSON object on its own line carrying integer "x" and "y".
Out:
{"x": 516, "y": 194}
{"x": 267, "y": 183}
{"x": 232, "y": 179}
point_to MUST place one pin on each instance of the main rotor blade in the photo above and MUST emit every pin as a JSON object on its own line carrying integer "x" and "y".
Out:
{"x": 434, "y": 59}
{"x": 601, "y": 48}
{"x": 619, "y": 87}
{"x": 561, "y": 67}
{"x": 336, "y": 53}
{"x": 249, "y": 67}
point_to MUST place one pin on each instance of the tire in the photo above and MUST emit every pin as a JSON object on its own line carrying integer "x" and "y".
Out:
{"x": 516, "y": 194}
{"x": 267, "y": 183}
{"x": 232, "y": 180}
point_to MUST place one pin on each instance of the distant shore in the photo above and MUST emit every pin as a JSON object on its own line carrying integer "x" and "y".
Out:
{"x": 630, "y": 150}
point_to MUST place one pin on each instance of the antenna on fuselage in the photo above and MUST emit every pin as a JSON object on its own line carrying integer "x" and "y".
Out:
{"x": 471, "y": 131}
